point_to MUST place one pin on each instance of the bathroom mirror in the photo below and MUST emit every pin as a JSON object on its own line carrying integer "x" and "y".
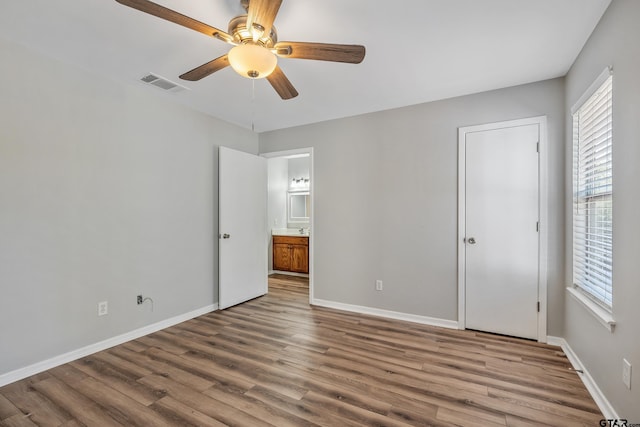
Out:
{"x": 299, "y": 207}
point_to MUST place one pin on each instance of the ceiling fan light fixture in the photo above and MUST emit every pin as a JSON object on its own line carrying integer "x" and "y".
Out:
{"x": 255, "y": 38}
{"x": 252, "y": 60}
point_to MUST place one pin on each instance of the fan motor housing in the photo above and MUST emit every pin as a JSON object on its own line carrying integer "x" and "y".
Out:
{"x": 241, "y": 34}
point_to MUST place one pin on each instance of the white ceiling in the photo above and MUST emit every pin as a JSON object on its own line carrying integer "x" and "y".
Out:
{"x": 417, "y": 50}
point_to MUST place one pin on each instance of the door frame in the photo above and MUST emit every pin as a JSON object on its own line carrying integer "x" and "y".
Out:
{"x": 307, "y": 150}
{"x": 541, "y": 121}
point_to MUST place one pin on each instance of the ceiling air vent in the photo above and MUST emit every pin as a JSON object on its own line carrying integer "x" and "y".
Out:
{"x": 162, "y": 83}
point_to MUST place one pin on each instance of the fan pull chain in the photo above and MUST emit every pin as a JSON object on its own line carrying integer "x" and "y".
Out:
{"x": 253, "y": 104}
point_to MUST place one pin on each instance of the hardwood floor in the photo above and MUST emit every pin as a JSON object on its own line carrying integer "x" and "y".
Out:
{"x": 276, "y": 361}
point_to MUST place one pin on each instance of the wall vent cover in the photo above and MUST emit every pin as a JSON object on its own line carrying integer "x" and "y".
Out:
{"x": 162, "y": 83}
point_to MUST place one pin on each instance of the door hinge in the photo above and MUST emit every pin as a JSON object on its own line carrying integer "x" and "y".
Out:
{"x": 537, "y": 147}
{"x": 538, "y": 226}
{"x": 538, "y": 306}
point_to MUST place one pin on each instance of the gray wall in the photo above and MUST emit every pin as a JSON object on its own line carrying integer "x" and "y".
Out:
{"x": 386, "y": 198}
{"x": 298, "y": 168}
{"x": 614, "y": 42}
{"x": 278, "y": 182}
{"x": 106, "y": 191}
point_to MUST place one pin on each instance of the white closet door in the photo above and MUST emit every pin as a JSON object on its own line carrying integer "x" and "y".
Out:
{"x": 501, "y": 242}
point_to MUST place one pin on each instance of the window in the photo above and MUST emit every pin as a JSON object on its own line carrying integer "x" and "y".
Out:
{"x": 593, "y": 191}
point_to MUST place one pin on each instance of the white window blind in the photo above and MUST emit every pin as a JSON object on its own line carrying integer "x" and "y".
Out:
{"x": 593, "y": 193}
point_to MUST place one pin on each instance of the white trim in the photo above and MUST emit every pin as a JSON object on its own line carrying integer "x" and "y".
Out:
{"x": 44, "y": 365}
{"x": 543, "y": 227}
{"x": 541, "y": 121}
{"x": 295, "y": 152}
{"x": 598, "y": 396}
{"x": 431, "y": 321}
{"x": 462, "y": 227}
{"x": 603, "y": 316}
{"x": 288, "y": 273}
{"x": 592, "y": 89}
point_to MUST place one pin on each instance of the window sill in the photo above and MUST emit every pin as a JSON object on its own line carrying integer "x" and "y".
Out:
{"x": 598, "y": 312}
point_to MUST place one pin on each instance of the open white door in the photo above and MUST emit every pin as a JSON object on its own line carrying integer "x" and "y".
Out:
{"x": 243, "y": 239}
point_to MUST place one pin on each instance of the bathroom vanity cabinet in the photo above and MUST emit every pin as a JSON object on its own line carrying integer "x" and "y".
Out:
{"x": 291, "y": 253}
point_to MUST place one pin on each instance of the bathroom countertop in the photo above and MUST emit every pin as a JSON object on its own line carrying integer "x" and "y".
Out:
{"x": 289, "y": 232}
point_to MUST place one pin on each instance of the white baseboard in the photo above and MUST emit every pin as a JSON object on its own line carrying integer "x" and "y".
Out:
{"x": 38, "y": 367}
{"x": 598, "y": 396}
{"x": 607, "y": 409}
{"x": 431, "y": 321}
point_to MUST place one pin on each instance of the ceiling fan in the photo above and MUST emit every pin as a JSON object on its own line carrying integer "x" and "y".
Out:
{"x": 256, "y": 46}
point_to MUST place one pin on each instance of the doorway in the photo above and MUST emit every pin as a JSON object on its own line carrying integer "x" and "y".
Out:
{"x": 501, "y": 228}
{"x": 290, "y": 216}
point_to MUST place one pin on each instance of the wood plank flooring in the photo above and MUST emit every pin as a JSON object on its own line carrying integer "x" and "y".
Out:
{"x": 276, "y": 361}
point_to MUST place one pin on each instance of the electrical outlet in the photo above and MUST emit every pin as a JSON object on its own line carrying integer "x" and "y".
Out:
{"x": 378, "y": 285}
{"x": 103, "y": 308}
{"x": 626, "y": 373}
{"x": 139, "y": 299}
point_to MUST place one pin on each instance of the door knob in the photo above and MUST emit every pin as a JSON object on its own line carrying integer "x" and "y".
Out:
{"x": 226, "y": 236}
{"x": 471, "y": 241}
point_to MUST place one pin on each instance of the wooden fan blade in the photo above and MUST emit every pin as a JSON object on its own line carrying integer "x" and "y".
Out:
{"x": 281, "y": 84}
{"x": 263, "y": 13}
{"x": 172, "y": 16}
{"x": 206, "y": 69}
{"x": 350, "y": 53}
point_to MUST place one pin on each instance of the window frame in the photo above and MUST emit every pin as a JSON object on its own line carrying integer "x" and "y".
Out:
{"x": 595, "y": 294}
